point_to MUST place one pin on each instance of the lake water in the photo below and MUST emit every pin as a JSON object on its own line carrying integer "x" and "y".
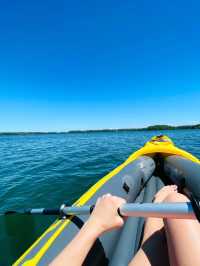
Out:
{"x": 46, "y": 170}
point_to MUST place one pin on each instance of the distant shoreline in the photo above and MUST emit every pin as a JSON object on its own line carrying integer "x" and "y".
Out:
{"x": 149, "y": 128}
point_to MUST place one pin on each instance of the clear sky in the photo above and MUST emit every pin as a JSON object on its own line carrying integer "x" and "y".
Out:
{"x": 98, "y": 64}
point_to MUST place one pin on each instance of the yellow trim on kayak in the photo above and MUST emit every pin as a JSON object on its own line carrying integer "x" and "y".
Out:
{"x": 161, "y": 144}
{"x": 42, "y": 251}
{"x": 165, "y": 146}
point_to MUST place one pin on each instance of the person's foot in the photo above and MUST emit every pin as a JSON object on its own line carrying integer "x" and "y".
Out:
{"x": 164, "y": 192}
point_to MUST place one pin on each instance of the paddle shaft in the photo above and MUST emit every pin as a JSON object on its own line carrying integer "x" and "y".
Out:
{"x": 159, "y": 210}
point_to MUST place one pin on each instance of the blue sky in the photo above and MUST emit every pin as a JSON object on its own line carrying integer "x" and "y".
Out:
{"x": 98, "y": 64}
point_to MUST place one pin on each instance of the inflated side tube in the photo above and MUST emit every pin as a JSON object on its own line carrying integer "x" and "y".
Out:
{"x": 184, "y": 173}
{"x": 135, "y": 175}
{"x": 142, "y": 171}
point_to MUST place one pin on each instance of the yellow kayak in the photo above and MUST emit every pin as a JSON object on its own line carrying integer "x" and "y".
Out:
{"x": 156, "y": 164}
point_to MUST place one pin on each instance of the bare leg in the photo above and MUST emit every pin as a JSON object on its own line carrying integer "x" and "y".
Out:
{"x": 183, "y": 237}
{"x": 153, "y": 250}
{"x": 154, "y": 225}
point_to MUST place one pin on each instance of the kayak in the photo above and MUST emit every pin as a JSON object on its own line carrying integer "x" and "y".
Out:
{"x": 136, "y": 180}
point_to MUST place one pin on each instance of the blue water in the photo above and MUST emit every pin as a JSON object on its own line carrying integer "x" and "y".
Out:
{"x": 45, "y": 170}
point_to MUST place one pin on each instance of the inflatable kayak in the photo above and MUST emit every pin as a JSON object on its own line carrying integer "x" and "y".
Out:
{"x": 158, "y": 163}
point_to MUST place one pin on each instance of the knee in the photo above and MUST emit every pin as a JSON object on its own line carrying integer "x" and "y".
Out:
{"x": 176, "y": 197}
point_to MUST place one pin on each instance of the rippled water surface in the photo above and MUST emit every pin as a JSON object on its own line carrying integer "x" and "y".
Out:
{"x": 45, "y": 170}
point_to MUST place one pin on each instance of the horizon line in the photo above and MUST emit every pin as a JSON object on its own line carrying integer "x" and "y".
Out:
{"x": 152, "y": 127}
